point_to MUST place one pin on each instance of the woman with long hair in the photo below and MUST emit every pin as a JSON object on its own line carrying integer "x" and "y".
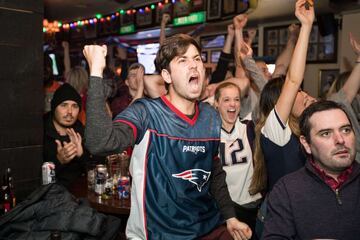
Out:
{"x": 281, "y": 103}
{"x": 235, "y": 152}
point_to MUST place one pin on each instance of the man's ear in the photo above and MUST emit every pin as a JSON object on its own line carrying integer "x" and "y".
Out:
{"x": 166, "y": 76}
{"x": 127, "y": 82}
{"x": 305, "y": 144}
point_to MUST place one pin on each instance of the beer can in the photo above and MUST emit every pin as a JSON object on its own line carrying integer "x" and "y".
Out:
{"x": 48, "y": 173}
{"x": 124, "y": 187}
{"x": 100, "y": 178}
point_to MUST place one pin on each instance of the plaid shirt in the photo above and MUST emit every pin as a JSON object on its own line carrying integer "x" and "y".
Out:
{"x": 329, "y": 180}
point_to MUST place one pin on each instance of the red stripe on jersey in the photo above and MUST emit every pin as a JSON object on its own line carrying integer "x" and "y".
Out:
{"x": 131, "y": 125}
{"x": 180, "y": 114}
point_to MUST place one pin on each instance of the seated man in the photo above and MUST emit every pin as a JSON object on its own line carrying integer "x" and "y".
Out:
{"x": 63, "y": 135}
{"x": 320, "y": 200}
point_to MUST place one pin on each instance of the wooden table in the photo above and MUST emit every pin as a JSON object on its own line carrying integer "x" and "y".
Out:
{"x": 113, "y": 205}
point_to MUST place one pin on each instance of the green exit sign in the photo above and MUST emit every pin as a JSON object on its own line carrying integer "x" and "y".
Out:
{"x": 197, "y": 17}
{"x": 127, "y": 29}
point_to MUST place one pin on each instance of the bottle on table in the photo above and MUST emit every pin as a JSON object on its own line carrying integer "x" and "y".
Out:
{"x": 6, "y": 200}
{"x": 10, "y": 185}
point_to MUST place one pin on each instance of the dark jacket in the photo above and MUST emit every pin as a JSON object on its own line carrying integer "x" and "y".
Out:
{"x": 65, "y": 173}
{"x": 302, "y": 206}
{"x": 52, "y": 208}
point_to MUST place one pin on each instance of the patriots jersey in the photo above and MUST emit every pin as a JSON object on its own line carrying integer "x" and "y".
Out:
{"x": 171, "y": 169}
{"x": 237, "y": 160}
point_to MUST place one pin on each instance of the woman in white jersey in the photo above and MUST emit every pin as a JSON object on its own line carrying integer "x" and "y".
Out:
{"x": 236, "y": 152}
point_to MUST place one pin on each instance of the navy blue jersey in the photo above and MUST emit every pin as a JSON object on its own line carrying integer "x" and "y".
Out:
{"x": 171, "y": 169}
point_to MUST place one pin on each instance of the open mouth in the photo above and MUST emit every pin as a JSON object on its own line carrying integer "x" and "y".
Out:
{"x": 231, "y": 113}
{"x": 193, "y": 79}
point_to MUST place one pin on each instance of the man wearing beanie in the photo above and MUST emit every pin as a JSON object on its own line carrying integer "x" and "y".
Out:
{"x": 63, "y": 134}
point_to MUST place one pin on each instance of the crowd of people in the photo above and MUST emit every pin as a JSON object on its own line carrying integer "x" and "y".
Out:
{"x": 242, "y": 154}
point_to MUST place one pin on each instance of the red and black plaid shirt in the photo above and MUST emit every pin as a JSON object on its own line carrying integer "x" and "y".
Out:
{"x": 332, "y": 182}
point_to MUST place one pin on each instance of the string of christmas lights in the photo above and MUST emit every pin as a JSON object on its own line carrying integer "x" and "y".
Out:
{"x": 56, "y": 25}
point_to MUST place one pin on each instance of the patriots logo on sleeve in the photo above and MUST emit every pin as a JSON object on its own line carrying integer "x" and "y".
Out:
{"x": 198, "y": 177}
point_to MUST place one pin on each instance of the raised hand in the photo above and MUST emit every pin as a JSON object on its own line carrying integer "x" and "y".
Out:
{"x": 121, "y": 52}
{"x": 65, "y": 44}
{"x": 305, "y": 16}
{"x": 231, "y": 30}
{"x": 65, "y": 152}
{"x": 240, "y": 21}
{"x": 294, "y": 31}
{"x": 95, "y": 56}
{"x": 251, "y": 34}
{"x": 355, "y": 45}
{"x": 77, "y": 140}
{"x": 165, "y": 18}
{"x": 140, "y": 77}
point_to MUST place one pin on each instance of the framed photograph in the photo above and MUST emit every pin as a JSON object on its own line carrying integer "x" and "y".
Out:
{"x": 126, "y": 19}
{"x": 213, "y": 9}
{"x": 322, "y": 49}
{"x": 272, "y": 37}
{"x": 144, "y": 18}
{"x": 283, "y": 36}
{"x": 326, "y": 52}
{"x": 215, "y": 55}
{"x": 229, "y": 7}
{"x": 204, "y": 56}
{"x": 272, "y": 51}
{"x": 314, "y": 35}
{"x": 181, "y": 8}
{"x": 312, "y": 52}
{"x": 326, "y": 78}
{"x": 197, "y": 5}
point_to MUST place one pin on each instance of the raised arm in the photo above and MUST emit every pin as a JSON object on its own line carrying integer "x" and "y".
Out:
{"x": 239, "y": 24}
{"x": 140, "y": 84}
{"x": 67, "y": 63}
{"x": 352, "y": 85}
{"x": 225, "y": 57}
{"x": 283, "y": 60}
{"x": 295, "y": 74}
{"x": 154, "y": 86}
{"x": 164, "y": 21}
{"x": 102, "y": 137}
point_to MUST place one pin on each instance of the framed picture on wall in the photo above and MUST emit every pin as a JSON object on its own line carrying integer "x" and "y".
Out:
{"x": 215, "y": 55}
{"x": 322, "y": 49}
{"x": 213, "y": 9}
{"x": 197, "y": 5}
{"x": 326, "y": 79}
{"x": 272, "y": 37}
{"x": 229, "y": 7}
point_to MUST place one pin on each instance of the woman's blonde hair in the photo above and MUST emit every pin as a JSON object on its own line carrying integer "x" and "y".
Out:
{"x": 78, "y": 78}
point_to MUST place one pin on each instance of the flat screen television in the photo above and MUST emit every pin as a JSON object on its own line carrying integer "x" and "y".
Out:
{"x": 146, "y": 54}
{"x": 216, "y": 41}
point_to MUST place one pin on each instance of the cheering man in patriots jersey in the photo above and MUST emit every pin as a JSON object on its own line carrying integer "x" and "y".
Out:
{"x": 178, "y": 188}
